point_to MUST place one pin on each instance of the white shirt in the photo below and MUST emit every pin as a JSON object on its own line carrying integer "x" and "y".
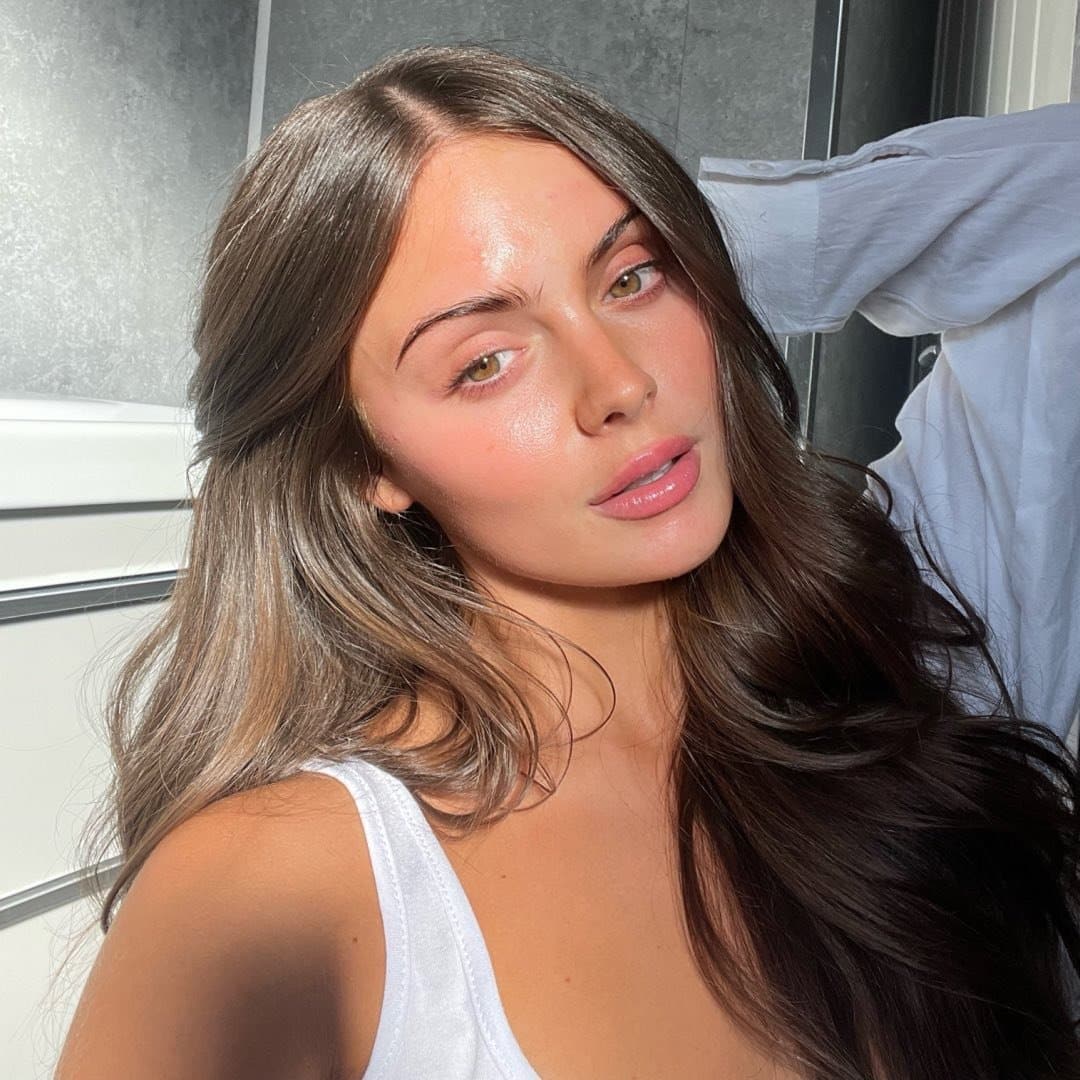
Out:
{"x": 973, "y": 233}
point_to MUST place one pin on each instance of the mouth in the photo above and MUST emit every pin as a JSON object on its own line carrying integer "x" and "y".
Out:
{"x": 652, "y": 477}
{"x": 647, "y": 466}
{"x": 656, "y": 492}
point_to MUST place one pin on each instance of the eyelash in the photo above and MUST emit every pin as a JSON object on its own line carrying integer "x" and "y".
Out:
{"x": 457, "y": 383}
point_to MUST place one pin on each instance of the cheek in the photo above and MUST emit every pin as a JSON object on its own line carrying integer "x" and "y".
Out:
{"x": 531, "y": 439}
{"x": 688, "y": 360}
{"x": 463, "y": 459}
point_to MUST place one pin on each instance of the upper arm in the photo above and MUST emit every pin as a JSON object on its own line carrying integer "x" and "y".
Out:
{"x": 930, "y": 228}
{"x": 222, "y": 961}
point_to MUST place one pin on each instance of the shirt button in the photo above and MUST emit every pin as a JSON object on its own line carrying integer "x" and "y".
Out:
{"x": 759, "y": 166}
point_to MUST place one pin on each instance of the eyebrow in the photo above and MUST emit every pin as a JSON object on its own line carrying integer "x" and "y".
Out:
{"x": 502, "y": 300}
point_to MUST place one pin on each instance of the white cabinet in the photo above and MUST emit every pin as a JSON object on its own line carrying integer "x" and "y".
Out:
{"x": 94, "y": 515}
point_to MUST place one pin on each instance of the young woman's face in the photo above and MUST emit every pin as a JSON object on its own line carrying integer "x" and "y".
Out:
{"x": 505, "y": 424}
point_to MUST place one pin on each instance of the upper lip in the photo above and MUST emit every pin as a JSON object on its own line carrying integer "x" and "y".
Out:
{"x": 646, "y": 461}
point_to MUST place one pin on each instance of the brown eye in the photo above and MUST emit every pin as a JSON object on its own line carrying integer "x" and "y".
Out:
{"x": 632, "y": 276}
{"x": 485, "y": 365}
{"x": 627, "y": 277}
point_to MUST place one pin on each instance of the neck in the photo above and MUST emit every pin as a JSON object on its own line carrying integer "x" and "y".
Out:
{"x": 626, "y": 631}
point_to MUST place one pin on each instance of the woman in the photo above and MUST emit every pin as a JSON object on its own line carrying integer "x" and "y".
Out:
{"x": 689, "y": 774}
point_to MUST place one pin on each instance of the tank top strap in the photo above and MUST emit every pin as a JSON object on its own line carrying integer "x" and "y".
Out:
{"x": 377, "y": 814}
{"x": 441, "y": 1014}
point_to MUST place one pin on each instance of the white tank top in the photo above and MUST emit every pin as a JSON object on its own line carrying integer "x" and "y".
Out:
{"x": 441, "y": 1017}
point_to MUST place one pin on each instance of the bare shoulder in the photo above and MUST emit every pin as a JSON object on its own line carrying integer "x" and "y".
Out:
{"x": 249, "y": 944}
{"x": 302, "y": 836}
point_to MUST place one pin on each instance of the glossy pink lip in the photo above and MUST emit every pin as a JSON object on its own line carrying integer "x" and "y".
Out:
{"x": 651, "y": 498}
{"x": 649, "y": 460}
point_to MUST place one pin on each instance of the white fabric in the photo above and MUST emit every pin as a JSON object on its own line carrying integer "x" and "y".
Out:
{"x": 441, "y": 1016}
{"x": 972, "y": 232}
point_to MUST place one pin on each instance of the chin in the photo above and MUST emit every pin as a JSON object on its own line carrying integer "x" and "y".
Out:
{"x": 651, "y": 566}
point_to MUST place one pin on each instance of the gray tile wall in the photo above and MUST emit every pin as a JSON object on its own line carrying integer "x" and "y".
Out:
{"x": 705, "y": 77}
{"x": 746, "y": 74}
{"x": 120, "y": 123}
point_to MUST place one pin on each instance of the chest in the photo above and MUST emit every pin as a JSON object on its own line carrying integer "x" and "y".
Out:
{"x": 578, "y": 905}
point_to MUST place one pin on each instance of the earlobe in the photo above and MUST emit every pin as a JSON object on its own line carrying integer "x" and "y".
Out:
{"x": 389, "y": 497}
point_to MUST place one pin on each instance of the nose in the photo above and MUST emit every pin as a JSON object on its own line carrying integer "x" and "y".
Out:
{"x": 611, "y": 381}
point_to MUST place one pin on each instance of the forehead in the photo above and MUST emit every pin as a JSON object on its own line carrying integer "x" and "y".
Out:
{"x": 479, "y": 188}
{"x": 483, "y": 208}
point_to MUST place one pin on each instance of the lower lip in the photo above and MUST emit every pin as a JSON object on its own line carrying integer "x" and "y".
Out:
{"x": 652, "y": 499}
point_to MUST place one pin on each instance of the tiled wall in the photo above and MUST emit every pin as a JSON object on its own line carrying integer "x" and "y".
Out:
{"x": 120, "y": 123}
{"x": 704, "y": 77}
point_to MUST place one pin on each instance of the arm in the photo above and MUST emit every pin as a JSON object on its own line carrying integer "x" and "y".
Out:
{"x": 967, "y": 227}
{"x": 932, "y": 228}
{"x": 218, "y": 964}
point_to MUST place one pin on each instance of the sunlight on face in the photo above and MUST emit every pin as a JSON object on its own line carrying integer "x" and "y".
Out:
{"x": 504, "y": 422}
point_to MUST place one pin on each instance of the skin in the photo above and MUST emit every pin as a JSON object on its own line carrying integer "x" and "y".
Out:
{"x": 594, "y": 369}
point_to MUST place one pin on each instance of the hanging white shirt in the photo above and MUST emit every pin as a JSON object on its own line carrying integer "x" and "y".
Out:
{"x": 973, "y": 232}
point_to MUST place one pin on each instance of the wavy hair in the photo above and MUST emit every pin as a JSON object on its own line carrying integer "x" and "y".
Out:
{"x": 876, "y": 881}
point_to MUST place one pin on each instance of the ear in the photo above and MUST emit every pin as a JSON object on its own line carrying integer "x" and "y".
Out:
{"x": 390, "y": 497}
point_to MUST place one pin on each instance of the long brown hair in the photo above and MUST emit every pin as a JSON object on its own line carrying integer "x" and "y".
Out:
{"x": 877, "y": 880}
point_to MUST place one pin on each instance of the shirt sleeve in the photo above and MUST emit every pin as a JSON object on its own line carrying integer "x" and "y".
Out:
{"x": 968, "y": 227}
